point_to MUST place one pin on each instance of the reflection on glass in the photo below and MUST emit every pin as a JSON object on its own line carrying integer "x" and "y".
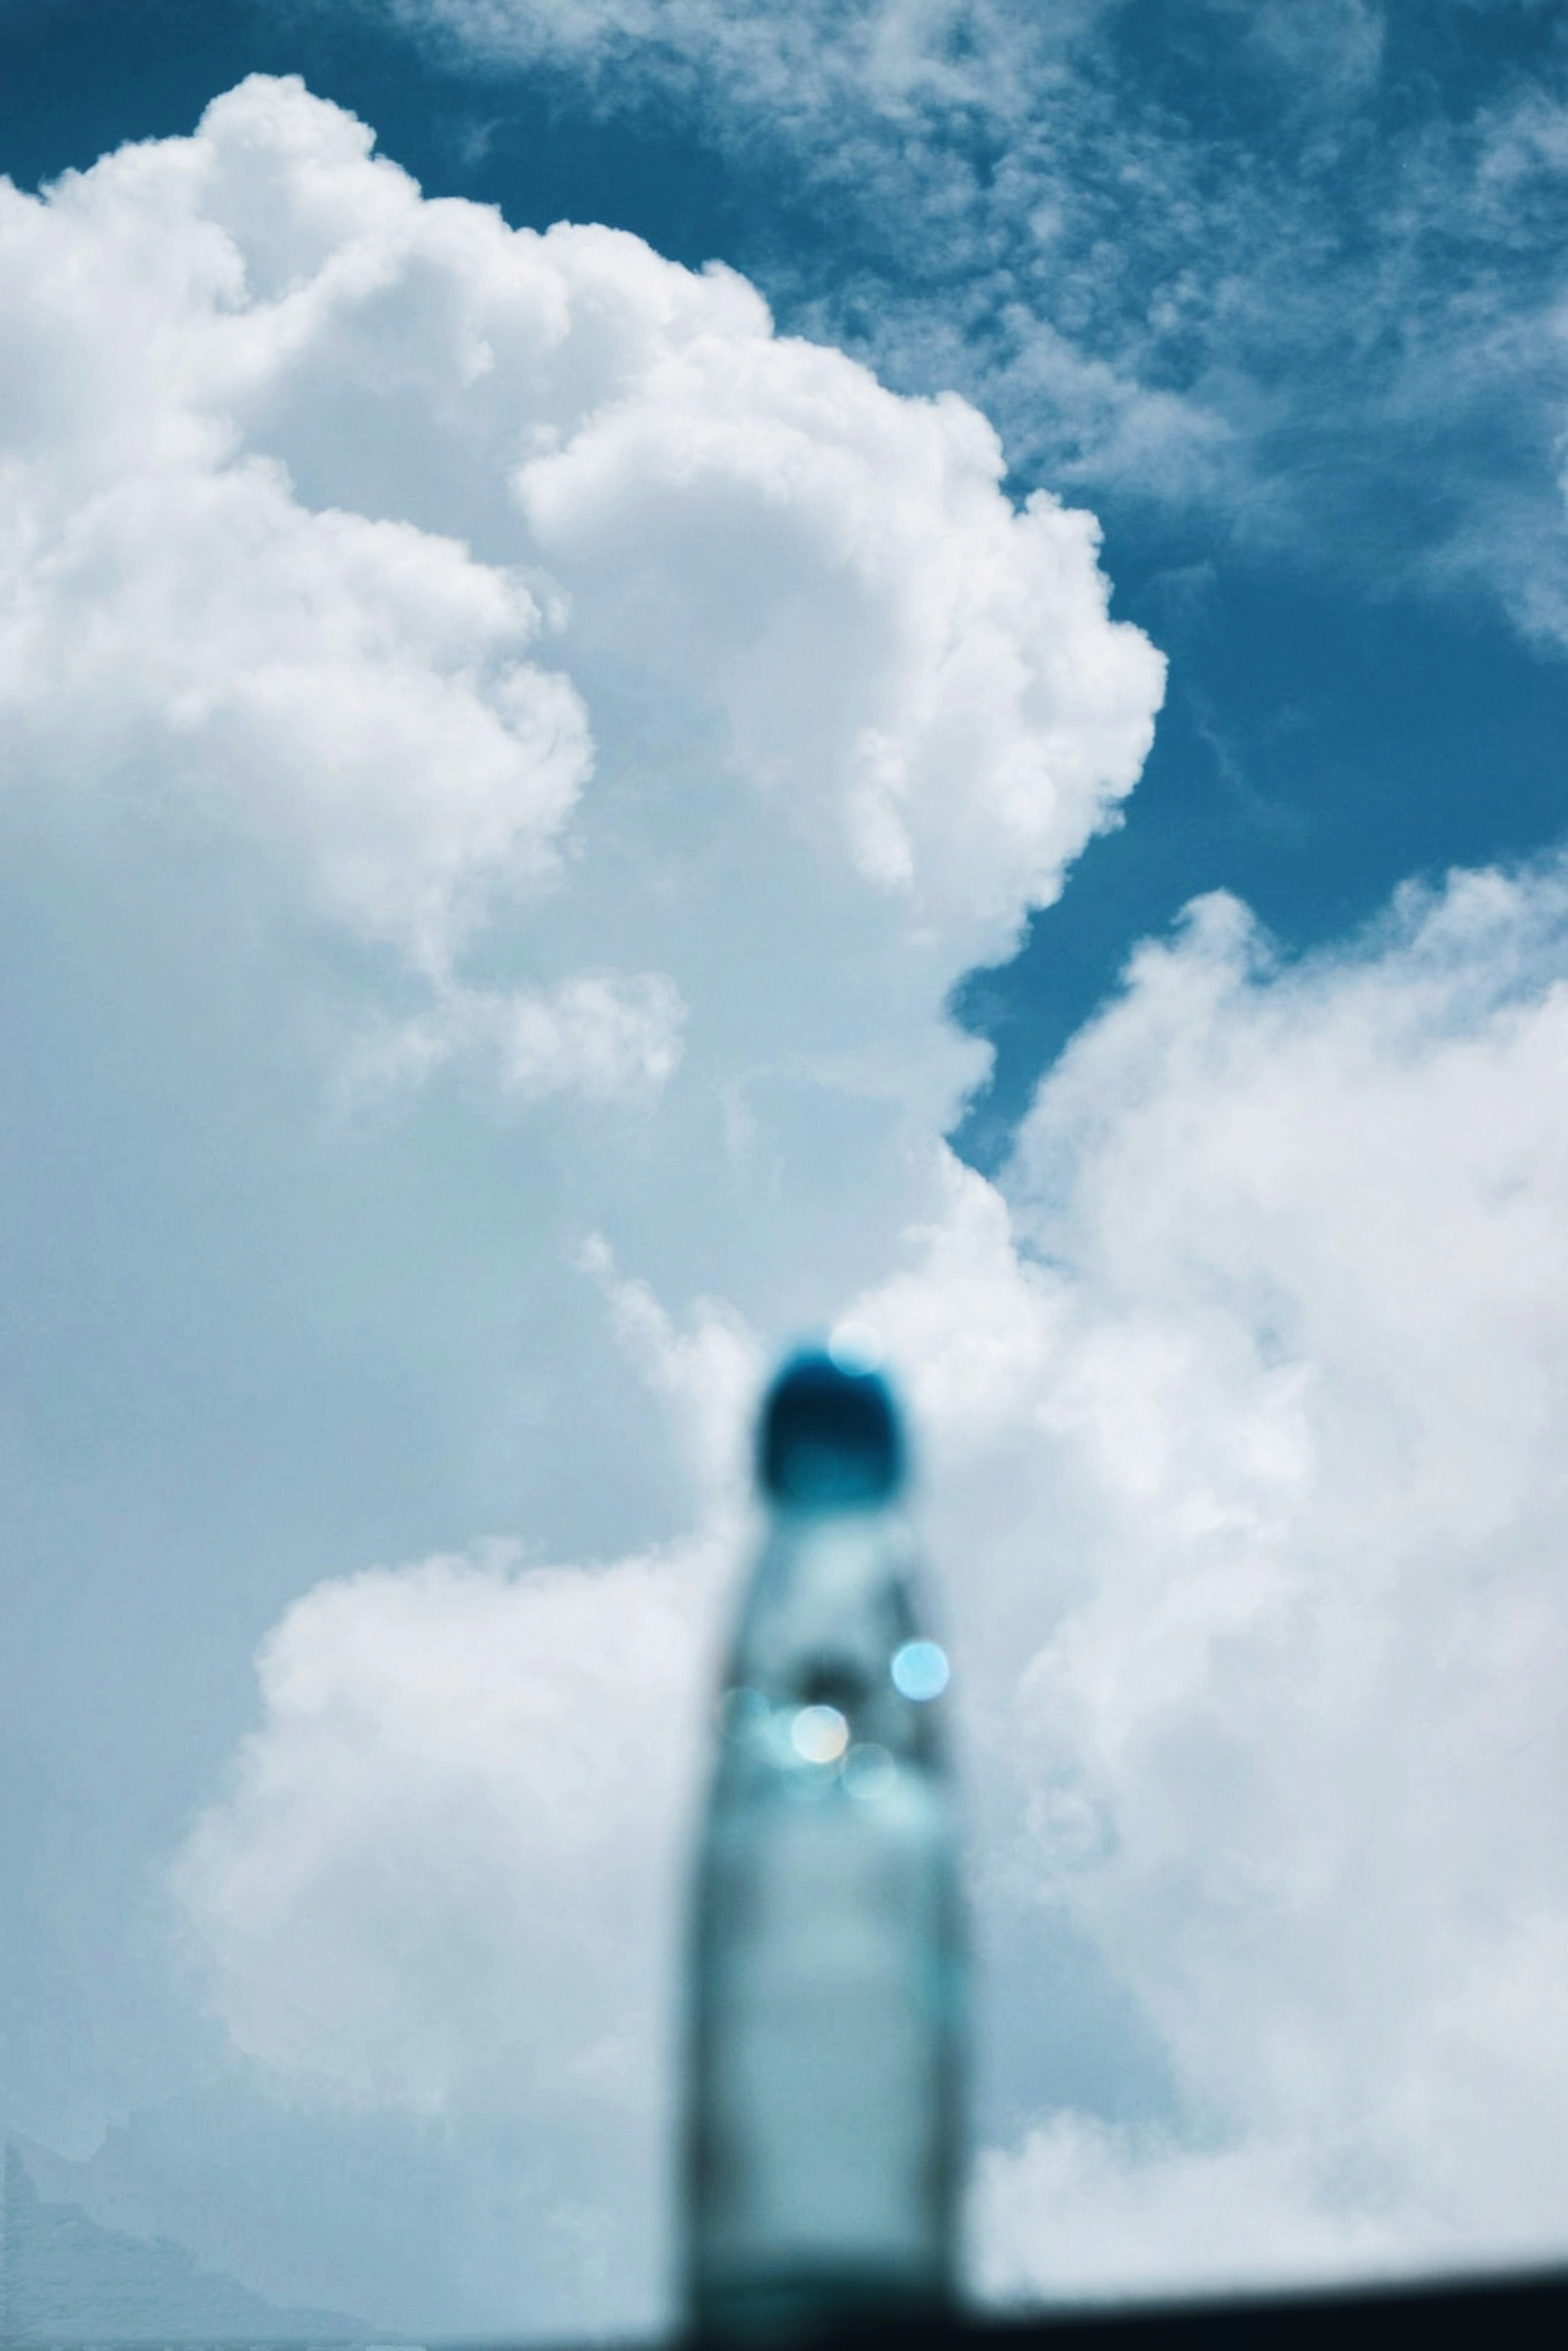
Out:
{"x": 920, "y": 1669}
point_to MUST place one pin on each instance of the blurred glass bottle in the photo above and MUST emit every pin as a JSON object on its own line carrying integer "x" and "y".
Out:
{"x": 823, "y": 2124}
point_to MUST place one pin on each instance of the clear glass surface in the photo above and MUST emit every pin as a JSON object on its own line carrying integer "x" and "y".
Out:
{"x": 823, "y": 2127}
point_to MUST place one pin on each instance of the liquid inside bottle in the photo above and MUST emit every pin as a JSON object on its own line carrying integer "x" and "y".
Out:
{"x": 823, "y": 2125}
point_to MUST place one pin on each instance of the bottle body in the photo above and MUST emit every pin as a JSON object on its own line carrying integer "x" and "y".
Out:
{"x": 823, "y": 2124}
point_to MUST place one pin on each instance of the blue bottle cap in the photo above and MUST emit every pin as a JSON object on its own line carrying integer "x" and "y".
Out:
{"x": 830, "y": 1436}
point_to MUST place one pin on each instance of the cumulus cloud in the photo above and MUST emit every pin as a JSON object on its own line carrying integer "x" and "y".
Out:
{"x": 609, "y": 1038}
{"x": 1292, "y": 1752}
{"x": 476, "y": 1928}
{"x": 381, "y": 499}
{"x": 595, "y": 732}
{"x": 356, "y": 1815}
{"x": 1241, "y": 1422}
{"x": 350, "y": 691}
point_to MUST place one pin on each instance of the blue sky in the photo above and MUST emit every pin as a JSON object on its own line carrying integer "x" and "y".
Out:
{"x": 515, "y": 764}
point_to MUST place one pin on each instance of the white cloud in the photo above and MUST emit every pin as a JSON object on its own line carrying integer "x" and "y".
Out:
{"x": 438, "y": 1849}
{"x": 243, "y": 560}
{"x": 1083, "y": 2206}
{"x": 1242, "y": 1438}
{"x": 504, "y": 666}
{"x": 609, "y": 1038}
{"x": 1289, "y": 1344}
{"x": 709, "y": 1374}
{"x": 440, "y": 1883}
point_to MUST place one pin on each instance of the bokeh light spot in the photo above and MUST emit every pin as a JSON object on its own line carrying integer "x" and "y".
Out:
{"x": 819, "y": 1734}
{"x": 920, "y": 1671}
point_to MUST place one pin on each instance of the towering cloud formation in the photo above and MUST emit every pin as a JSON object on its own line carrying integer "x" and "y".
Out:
{"x": 558, "y": 708}
{"x": 384, "y": 512}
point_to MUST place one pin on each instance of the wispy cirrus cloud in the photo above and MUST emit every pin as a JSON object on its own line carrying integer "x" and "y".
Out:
{"x": 1321, "y": 314}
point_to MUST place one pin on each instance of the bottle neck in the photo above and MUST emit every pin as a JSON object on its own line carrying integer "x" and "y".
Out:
{"x": 829, "y": 1606}
{"x": 825, "y": 1559}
